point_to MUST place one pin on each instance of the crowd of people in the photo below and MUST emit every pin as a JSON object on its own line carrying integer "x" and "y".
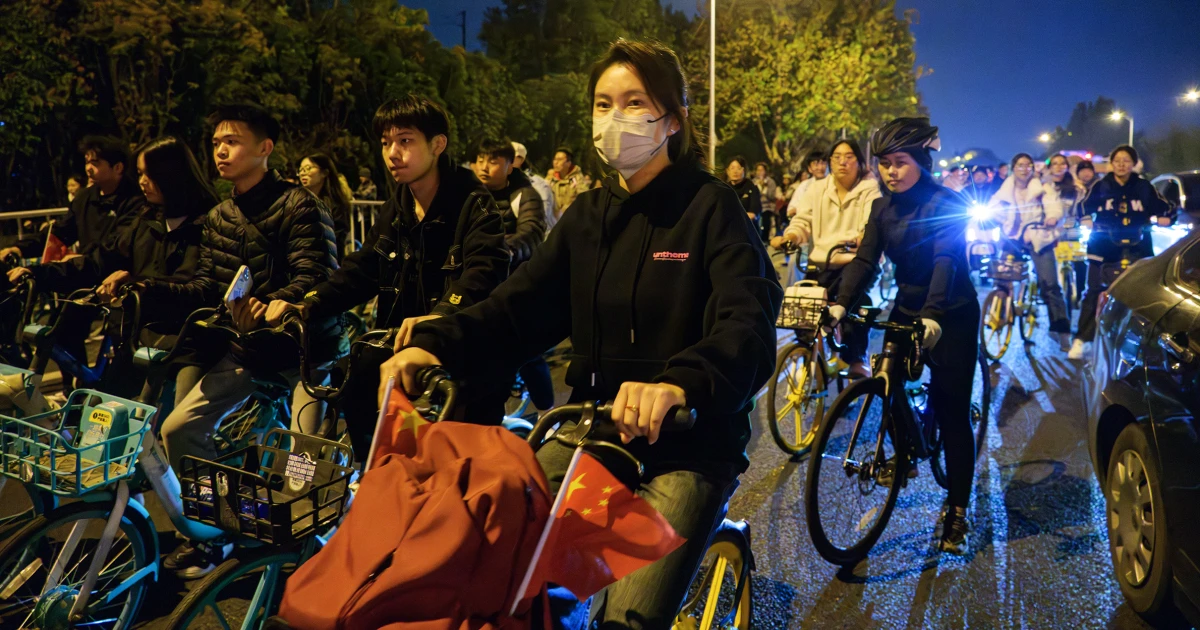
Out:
{"x": 658, "y": 274}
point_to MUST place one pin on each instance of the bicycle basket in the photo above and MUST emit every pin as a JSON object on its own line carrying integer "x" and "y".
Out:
{"x": 91, "y": 442}
{"x": 803, "y": 305}
{"x": 1013, "y": 271}
{"x": 279, "y": 492}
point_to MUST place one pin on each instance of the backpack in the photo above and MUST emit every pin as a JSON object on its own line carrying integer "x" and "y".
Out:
{"x": 439, "y": 540}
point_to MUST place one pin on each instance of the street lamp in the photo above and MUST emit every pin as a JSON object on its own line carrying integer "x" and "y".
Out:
{"x": 1044, "y": 138}
{"x": 712, "y": 84}
{"x": 1192, "y": 95}
{"x": 1117, "y": 115}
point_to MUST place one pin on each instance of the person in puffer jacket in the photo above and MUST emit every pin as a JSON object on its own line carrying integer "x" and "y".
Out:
{"x": 518, "y": 201}
{"x": 284, "y": 235}
{"x": 1122, "y": 207}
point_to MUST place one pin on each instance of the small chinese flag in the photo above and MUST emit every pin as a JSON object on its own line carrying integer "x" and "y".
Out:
{"x": 400, "y": 427}
{"x": 55, "y": 250}
{"x": 600, "y": 532}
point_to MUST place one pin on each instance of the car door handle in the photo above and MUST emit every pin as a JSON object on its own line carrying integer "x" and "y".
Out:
{"x": 1173, "y": 348}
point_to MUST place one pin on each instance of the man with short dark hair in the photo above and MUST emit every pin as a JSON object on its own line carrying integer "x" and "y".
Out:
{"x": 95, "y": 213}
{"x": 517, "y": 200}
{"x": 567, "y": 180}
{"x": 436, "y": 247}
{"x": 1002, "y": 172}
{"x": 816, "y": 165}
{"x": 284, "y": 235}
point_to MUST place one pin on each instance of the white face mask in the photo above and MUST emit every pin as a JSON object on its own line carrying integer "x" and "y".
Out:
{"x": 626, "y": 143}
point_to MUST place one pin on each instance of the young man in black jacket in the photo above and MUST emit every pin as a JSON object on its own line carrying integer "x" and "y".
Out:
{"x": 284, "y": 235}
{"x": 437, "y": 247}
{"x": 95, "y": 213}
{"x": 524, "y": 229}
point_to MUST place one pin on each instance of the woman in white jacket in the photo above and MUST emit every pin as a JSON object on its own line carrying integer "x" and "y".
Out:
{"x": 1022, "y": 201}
{"x": 833, "y": 212}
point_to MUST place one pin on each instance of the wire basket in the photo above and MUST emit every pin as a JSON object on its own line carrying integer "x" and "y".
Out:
{"x": 801, "y": 313}
{"x": 1011, "y": 270}
{"x": 279, "y": 492}
{"x": 91, "y": 442}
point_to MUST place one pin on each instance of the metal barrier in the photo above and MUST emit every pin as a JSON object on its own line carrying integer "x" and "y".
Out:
{"x": 364, "y": 217}
{"x": 20, "y": 215}
{"x": 362, "y": 221}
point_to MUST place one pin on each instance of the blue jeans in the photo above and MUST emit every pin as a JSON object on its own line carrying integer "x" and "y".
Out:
{"x": 649, "y": 598}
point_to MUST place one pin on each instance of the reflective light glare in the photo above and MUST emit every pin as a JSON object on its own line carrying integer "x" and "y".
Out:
{"x": 1085, "y": 233}
{"x": 995, "y": 234}
{"x": 941, "y": 163}
{"x": 970, "y": 234}
{"x": 980, "y": 212}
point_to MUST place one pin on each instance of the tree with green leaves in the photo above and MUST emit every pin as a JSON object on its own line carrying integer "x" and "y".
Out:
{"x": 795, "y": 74}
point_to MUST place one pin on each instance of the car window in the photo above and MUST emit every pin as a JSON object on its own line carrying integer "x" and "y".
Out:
{"x": 1189, "y": 267}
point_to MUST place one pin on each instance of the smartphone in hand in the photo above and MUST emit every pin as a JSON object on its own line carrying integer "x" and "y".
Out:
{"x": 241, "y": 286}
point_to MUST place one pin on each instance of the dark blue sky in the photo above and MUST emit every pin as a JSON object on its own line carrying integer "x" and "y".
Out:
{"x": 1004, "y": 72}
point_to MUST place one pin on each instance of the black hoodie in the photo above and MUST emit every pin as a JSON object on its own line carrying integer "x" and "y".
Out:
{"x": 671, "y": 284}
{"x": 923, "y": 231}
{"x": 1122, "y": 211}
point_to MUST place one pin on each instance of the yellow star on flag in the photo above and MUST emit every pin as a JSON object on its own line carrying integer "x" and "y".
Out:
{"x": 587, "y": 511}
{"x": 576, "y": 484}
{"x": 604, "y": 502}
{"x": 414, "y": 421}
{"x": 608, "y": 489}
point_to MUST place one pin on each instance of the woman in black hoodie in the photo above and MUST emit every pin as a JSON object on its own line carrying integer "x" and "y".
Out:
{"x": 669, "y": 298}
{"x": 748, "y": 192}
{"x": 1122, "y": 207}
{"x": 921, "y": 227}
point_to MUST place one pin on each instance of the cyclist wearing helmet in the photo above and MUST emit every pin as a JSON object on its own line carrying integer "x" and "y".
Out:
{"x": 921, "y": 227}
{"x": 1121, "y": 205}
{"x": 668, "y": 295}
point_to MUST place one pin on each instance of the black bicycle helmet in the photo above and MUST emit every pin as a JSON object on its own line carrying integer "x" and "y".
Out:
{"x": 914, "y": 136}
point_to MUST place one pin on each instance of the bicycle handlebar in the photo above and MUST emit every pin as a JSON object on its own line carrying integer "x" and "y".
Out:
{"x": 916, "y": 329}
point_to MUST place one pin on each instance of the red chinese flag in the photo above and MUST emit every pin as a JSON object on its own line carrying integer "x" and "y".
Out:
{"x": 55, "y": 249}
{"x": 400, "y": 427}
{"x": 600, "y": 533}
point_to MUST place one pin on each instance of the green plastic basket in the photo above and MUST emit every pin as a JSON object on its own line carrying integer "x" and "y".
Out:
{"x": 90, "y": 443}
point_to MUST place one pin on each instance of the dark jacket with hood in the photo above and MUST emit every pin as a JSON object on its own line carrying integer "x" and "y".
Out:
{"x": 923, "y": 231}
{"x": 671, "y": 284}
{"x": 524, "y": 216}
{"x": 92, "y": 219}
{"x": 1122, "y": 212}
{"x": 294, "y": 252}
{"x": 749, "y": 195}
{"x": 152, "y": 254}
{"x": 450, "y": 260}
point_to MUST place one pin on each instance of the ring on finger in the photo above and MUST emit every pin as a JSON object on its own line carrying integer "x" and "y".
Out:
{"x": 632, "y": 408}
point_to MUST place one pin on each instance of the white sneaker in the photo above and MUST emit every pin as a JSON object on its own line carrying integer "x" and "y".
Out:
{"x": 1076, "y": 352}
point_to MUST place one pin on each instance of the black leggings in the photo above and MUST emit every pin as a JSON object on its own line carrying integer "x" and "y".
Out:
{"x": 952, "y": 364}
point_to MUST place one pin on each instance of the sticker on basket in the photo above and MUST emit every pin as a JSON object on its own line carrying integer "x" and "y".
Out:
{"x": 300, "y": 470}
{"x": 100, "y": 416}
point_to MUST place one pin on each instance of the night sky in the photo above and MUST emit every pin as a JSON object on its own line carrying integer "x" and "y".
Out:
{"x": 1006, "y": 72}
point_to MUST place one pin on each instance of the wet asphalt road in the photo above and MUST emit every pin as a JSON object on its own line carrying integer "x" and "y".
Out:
{"x": 1039, "y": 551}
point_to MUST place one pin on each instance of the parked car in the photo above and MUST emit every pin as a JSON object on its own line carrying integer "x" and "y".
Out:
{"x": 1142, "y": 395}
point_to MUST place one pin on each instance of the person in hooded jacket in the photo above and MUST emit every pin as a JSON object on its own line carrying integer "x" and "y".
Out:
{"x": 1121, "y": 208}
{"x": 832, "y": 212}
{"x": 668, "y": 295}
{"x": 1022, "y": 210}
{"x": 921, "y": 227}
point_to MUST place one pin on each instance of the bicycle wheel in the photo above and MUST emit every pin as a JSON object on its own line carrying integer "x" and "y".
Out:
{"x": 847, "y": 498}
{"x": 995, "y": 327}
{"x": 67, "y": 539}
{"x": 796, "y": 398}
{"x": 243, "y": 592}
{"x": 1026, "y": 311}
{"x": 721, "y": 595}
